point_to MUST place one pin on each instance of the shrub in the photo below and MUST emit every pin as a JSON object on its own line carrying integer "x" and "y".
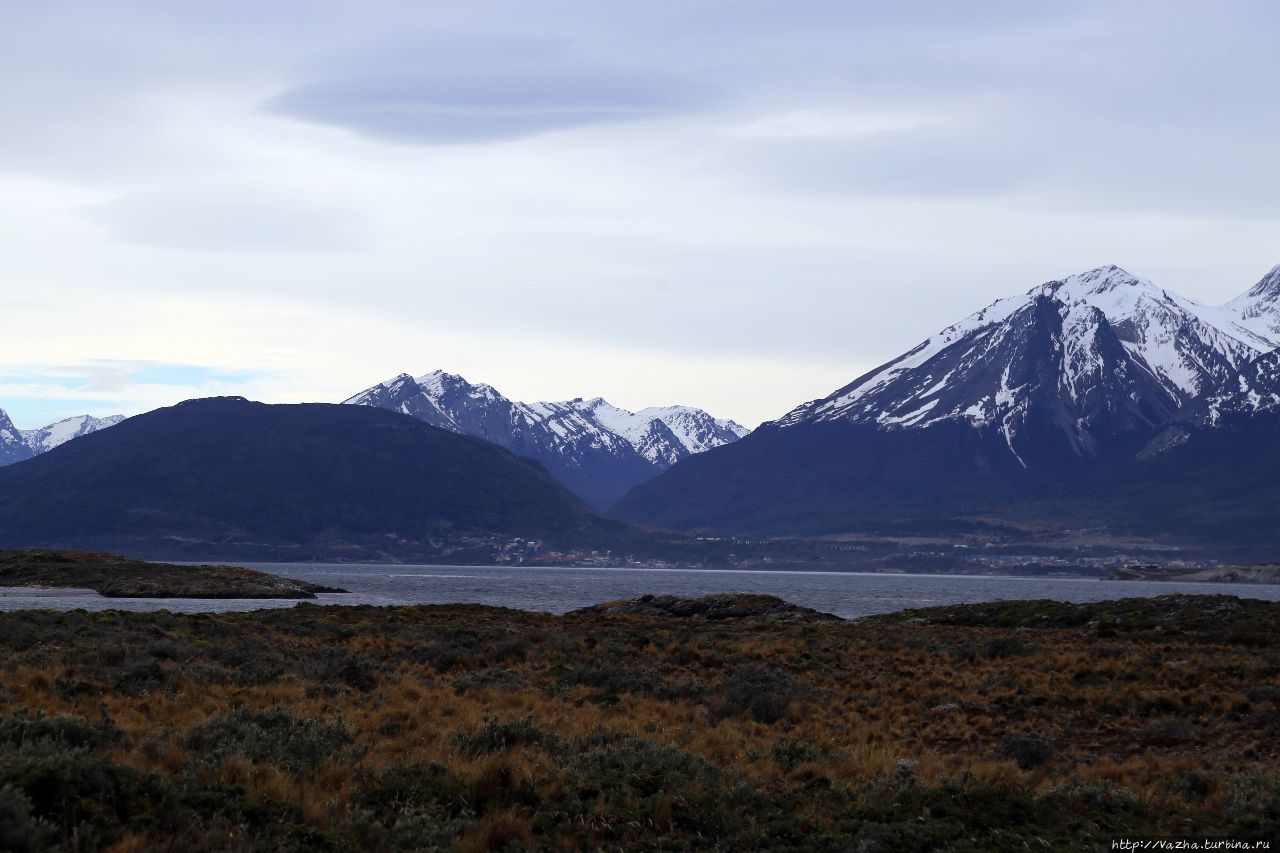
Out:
{"x": 501, "y": 678}
{"x": 89, "y": 798}
{"x": 142, "y": 678}
{"x": 790, "y": 752}
{"x": 68, "y": 730}
{"x": 270, "y": 736}
{"x": 1263, "y": 693}
{"x": 762, "y": 692}
{"x": 1006, "y": 647}
{"x": 442, "y": 656}
{"x": 1098, "y": 797}
{"x": 1028, "y": 750}
{"x": 411, "y": 789}
{"x": 620, "y": 762}
{"x": 494, "y": 736}
{"x": 341, "y": 667}
{"x": 254, "y": 663}
{"x": 20, "y": 830}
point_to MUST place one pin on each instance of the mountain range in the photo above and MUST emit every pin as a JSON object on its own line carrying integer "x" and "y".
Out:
{"x": 16, "y": 444}
{"x": 228, "y": 478}
{"x": 598, "y": 450}
{"x": 1099, "y": 402}
{"x": 1092, "y": 382}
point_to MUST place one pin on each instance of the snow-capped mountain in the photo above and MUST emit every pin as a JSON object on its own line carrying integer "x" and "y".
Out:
{"x": 55, "y": 434}
{"x": 662, "y": 434}
{"x": 16, "y": 444}
{"x": 1096, "y": 353}
{"x": 597, "y": 449}
{"x": 1033, "y": 390}
{"x": 13, "y": 447}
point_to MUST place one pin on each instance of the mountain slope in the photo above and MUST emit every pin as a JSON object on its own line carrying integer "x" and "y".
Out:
{"x": 596, "y": 449}
{"x": 13, "y": 446}
{"x": 1034, "y": 390}
{"x": 1208, "y": 483}
{"x": 1259, "y": 308}
{"x": 224, "y": 476}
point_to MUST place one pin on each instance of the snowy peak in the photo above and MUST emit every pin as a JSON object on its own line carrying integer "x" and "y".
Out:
{"x": 56, "y": 434}
{"x": 403, "y": 394}
{"x": 1192, "y": 348}
{"x": 663, "y": 434}
{"x": 599, "y": 450}
{"x": 1091, "y": 359}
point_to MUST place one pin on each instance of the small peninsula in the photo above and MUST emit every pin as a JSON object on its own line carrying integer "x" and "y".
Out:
{"x": 114, "y": 576}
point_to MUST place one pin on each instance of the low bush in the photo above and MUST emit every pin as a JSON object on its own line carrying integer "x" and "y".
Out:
{"x": 762, "y": 692}
{"x": 19, "y": 729}
{"x": 496, "y": 736}
{"x": 272, "y": 736}
{"x": 1029, "y": 751}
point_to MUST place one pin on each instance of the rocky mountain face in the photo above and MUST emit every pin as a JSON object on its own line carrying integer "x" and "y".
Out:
{"x": 596, "y": 449}
{"x": 1032, "y": 391}
{"x": 17, "y": 445}
{"x": 13, "y": 446}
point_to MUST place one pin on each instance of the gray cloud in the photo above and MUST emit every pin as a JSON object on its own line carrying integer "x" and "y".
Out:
{"x": 462, "y": 104}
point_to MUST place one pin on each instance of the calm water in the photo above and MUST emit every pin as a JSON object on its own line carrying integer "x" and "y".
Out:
{"x": 556, "y": 590}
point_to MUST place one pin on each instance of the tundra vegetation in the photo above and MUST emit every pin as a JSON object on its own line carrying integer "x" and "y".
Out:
{"x": 1029, "y": 724}
{"x": 120, "y": 577}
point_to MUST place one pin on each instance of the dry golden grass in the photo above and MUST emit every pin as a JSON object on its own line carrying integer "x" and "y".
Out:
{"x": 853, "y": 713}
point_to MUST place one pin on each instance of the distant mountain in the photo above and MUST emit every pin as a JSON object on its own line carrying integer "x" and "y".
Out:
{"x": 1034, "y": 390}
{"x": 222, "y": 477}
{"x": 596, "y": 449}
{"x": 56, "y": 434}
{"x": 13, "y": 446}
{"x": 16, "y": 444}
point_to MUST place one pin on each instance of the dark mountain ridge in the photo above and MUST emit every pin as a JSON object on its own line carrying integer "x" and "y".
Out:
{"x": 225, "y": 477}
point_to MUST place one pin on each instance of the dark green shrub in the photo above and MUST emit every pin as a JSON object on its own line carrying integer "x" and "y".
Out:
{"x": 18, "y": 729}
{"x": 269, "y": 736}
{"x": 494, "y": 736}
{"x": 765, "y": 693}
{"x": 790, "y": 752}
{"x": 1006, "y": 647}
{"x": 142, "y": 678}
{"x": 1029, "y": 751}
{"x": 501, "y": 678}
{"x": 341, "y": 667}
{"x": 254, "y": 663}
{"x": 80, "y": 795}
{"x": 411, "y": 789}
{"x": 442, "y": 656}
{"x": 20, "y": 830}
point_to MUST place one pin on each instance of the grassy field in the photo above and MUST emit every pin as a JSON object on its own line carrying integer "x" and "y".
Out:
{"x": 1017, "y": 726}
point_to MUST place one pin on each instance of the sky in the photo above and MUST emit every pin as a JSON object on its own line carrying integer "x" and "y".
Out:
{"x": 735, "y": 205}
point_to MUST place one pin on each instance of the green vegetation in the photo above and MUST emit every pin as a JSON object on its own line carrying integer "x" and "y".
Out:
{"x": 120, "y": 577}
{"x": 1009, "y": 726}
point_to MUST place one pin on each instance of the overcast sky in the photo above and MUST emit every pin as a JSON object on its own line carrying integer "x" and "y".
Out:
{"x": 736, "y": 205}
